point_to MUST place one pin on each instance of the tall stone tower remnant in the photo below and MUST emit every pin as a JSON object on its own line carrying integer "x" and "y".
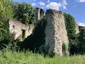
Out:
{"x": 39, "y": 14}
{"x": 55, "y": 32}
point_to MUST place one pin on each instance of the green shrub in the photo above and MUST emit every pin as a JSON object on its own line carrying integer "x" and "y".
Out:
{"x": 65, "y": 49}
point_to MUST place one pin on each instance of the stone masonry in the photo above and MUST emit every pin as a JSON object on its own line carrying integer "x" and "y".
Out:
{"x": 20, "y": 30}
{"x": 56, "y": 33}
{"x": 39, "y": 14}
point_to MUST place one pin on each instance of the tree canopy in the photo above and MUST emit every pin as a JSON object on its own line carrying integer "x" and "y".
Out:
{"x": 5, "y": 14}
{"x": 70, "y": 25}
{"x": 71, "y": 31}
{"x": 24, "y": 13}
{"x": 82, "y": 39}
{"x": 5, "y": 9}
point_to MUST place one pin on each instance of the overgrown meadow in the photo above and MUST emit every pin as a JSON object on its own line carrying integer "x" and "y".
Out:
{"x": 12, "y": 57}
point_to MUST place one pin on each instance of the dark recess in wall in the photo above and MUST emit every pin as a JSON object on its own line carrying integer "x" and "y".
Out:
{"x": 35, "y": 40}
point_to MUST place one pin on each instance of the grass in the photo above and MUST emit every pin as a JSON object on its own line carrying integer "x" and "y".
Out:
{"x": 12, "y": 57}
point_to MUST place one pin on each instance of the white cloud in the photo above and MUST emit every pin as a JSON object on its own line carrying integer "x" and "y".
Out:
{"x": 64, "y": 7}
{"x": 81, "y": 0}
{"x": 57, "y": 6}
{"x": 64, "y": 3}
{"x": 42, "y": 7}
{"x": 54, "y": 5}
{"x": 81, "y": 24}
{"x": 33, "y": 4}
{"x": 41, "y": 3}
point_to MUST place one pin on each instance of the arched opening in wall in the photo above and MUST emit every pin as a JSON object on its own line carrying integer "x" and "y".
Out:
{"x": 23, "y": 33}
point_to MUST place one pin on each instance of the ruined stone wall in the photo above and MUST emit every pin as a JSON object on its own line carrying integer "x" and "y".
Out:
{"x": 48, "y": 35}
{"x": 56, "y": 33}
{"x": 16, "y": 27}
{"x": 39, "y": 14}
{"x": 77, "y": 29}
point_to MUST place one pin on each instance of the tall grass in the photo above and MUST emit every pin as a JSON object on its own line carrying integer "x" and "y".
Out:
{"x": 13, "y": 57}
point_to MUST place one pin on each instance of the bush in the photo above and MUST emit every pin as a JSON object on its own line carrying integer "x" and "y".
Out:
{"x": 65, "y": 49}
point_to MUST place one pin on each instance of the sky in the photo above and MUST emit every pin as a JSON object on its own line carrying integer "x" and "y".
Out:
{"x": 74, "y": 7}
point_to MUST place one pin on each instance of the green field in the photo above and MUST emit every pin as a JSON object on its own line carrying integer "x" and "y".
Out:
{"x": 9, "y": 57}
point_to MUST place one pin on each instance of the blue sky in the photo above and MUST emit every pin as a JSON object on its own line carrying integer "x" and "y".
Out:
{"x": 74, "y": 7}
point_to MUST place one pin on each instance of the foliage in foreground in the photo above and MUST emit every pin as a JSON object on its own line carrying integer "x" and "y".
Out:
{"x": 12, "y": 57}
{"x": 5, "y": 14}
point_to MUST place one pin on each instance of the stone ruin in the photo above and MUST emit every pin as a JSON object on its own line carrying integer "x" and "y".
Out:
{"x": 39, "y": 14}
{"x": 55, "y": 34}
{"x": 20, "y": 30}
{"x": 55, "y": 31}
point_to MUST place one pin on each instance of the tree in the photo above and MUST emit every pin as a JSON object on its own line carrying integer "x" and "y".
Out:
{"x": 24, "y": 13}
{"x": 5, "y": 14}
{"x": 5, "y": 9}
{"x": 70, "y": 25}
{"x": 71, "y": 31}
{"x": 82, "y": 39}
